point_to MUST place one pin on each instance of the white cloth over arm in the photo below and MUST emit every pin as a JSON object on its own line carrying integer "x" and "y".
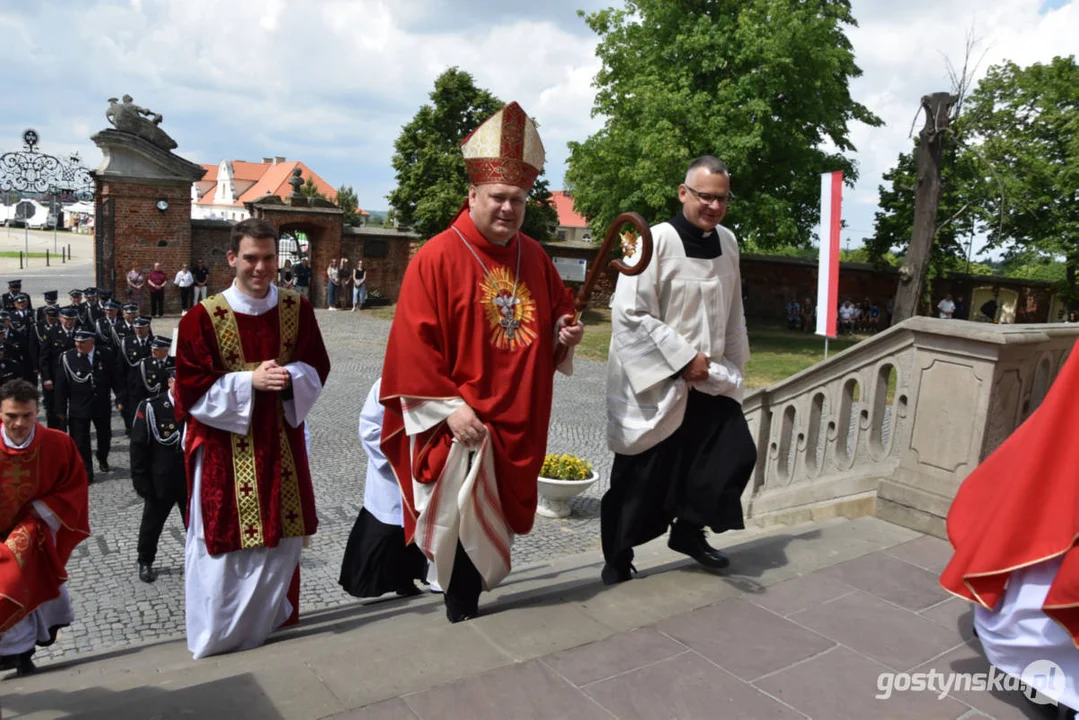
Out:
{"x": 306, "y": 389}
{"x": 463, "y": 504}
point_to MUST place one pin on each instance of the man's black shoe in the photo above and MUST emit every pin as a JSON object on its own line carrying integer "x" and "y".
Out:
{"x": 147, "y": 573}
{"x": 690, "y": 541}
{"x": 103, "y": 465}
{"x": 26, "y": 664}
{"x": 456, "y": 616}
{"x": 409, "y": 590}
{"x": 614, "y": 574}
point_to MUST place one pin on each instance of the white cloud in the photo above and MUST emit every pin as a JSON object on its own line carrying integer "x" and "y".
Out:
{"x": 332, "y": 83}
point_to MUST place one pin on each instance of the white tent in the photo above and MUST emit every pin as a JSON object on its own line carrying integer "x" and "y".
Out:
{"x": 80, "y": 207}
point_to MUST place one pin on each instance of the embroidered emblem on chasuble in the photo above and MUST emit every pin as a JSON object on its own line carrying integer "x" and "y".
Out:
{"x": 511, "y": 317}
{"x": 243, "y": 446}
{"x": 18, "y": 488}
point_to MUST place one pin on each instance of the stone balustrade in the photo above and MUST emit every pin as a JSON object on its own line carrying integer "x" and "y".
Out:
{"x": 891, "y": 426}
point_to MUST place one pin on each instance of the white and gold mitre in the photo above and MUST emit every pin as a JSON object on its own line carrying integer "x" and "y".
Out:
{"x": 505, "y": 149}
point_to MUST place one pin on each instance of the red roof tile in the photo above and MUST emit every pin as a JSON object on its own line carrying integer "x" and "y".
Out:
{"x": 567, "y": 215}
{"x": 268, "y": 178}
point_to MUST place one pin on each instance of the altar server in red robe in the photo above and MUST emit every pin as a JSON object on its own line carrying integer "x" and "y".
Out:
{"x": 1014, "y": 525}
{"x": 469, "y": 370}
{"x": 43, "y": 516}
{"x": 250, "y": 364}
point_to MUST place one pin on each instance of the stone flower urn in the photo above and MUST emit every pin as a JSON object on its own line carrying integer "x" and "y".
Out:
{"x": 563, "y": 477}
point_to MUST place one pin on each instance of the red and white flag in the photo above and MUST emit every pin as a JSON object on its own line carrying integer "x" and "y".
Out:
{"x": 831, "y": 214}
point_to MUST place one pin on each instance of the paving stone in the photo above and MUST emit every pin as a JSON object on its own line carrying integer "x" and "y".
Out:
{"x": 614, "y": 656}
{"x": 891, "y": 579}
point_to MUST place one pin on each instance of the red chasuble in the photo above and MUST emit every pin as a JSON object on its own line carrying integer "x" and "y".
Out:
{"x": 32, "y": 563}
{"x": 1021, "y": 507}
{"x": 256, "y": 489}
{"x": 453, "y": 336}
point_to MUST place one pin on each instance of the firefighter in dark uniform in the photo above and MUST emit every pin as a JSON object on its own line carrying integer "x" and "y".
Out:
{"x": 50, "y": 301}
{"x": 84, "y": 379}
{"x": 152, "y": 373}
{"x": 134, "y": 347}
{"x": 106, "y": 327}
{"x": 58, "y": 340}
{"x": 10, "y": 369}
{"x": 14, "y": 287}
{"x": 126, "y": 324}
{"x": 94, "y": 310}
{"x": 23, "y": 317}
{"x": 14, "y": 338}
{"x": 157, "y": 470}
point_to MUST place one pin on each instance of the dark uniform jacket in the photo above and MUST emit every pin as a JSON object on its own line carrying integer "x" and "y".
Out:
{"x": 157, "y": 455}
{"x": 57, "y": 341}
{"x": 150, "y": 378}
{"x": 10, "y": 369}
{"x": 82, "y": 390}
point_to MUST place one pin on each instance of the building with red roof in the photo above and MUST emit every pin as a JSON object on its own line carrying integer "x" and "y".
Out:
{"x": 572, "y": 226}
{"x": 222, "y": 192}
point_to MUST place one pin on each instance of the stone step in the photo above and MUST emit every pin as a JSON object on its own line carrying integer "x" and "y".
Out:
{"x": 353, "y": 656}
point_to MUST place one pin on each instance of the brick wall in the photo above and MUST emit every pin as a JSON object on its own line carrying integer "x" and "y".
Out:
{"x": 209, "y": 243}
{"x": 145, "y": 235}
{"x": 385, "y": 254}
{"x": 772, "y": 281}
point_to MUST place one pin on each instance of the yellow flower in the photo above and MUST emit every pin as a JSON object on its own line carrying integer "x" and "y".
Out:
{"x": 565, "y": 467}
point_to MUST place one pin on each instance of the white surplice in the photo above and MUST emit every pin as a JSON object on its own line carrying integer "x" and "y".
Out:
{"x": 660, "y": 320}
{"x": 1019, "y": 633}
{"x": 381, "y": 494}
{"x": 34, "y": 628}
{"x": 236, "y": 599}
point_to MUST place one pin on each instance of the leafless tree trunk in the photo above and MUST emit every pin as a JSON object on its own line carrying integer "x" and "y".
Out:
{"x": 938, "y": 107}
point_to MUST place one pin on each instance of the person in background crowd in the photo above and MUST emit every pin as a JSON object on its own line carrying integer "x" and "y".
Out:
{"x": 359, "y": 286}
{"x": 332, "y": 284}
{"x": 185, "y": 280}
{"x": 303, "y": 278}
{"x": 202, "y": 278}
{"x": 344, "y": 281}
{"x": 136, "y": 285}
{"x": 156, "y": 280}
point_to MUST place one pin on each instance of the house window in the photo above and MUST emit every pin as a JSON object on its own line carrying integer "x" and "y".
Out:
{"x": 561, "y": 234}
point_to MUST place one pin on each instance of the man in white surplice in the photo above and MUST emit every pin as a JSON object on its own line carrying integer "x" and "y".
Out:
{"x": 683, "y": 451}
{"x": 250, "y": 364}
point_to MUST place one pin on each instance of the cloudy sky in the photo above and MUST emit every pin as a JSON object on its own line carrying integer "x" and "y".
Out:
{"x": 331, "y": 82}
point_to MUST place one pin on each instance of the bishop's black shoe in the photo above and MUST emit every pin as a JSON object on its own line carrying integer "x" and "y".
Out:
{"x": 409, "y": 590}
{"x": 147, "y": 573}
{"x": 617, "y": 573}
{"x": 689, "y": 540}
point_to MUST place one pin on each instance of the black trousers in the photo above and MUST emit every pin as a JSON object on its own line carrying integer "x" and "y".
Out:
{"x": 155, "y": 512}
{"x": 463, "y": 594}
{"x": 186, "y": 293}
{"x": 157, "y": 303}
{"x": 696, "y": 476}
{"x": 129, "y": 415}
{"x": 51, "y": 419}
{"x": 79, "y": 430}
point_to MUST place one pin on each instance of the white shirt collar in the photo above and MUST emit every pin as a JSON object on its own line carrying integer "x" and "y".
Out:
{"x": 13, "y": 446}
{"x": 246, "y": 305}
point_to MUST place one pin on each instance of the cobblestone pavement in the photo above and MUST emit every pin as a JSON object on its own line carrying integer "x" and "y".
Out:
{"x": 114, "y": 608}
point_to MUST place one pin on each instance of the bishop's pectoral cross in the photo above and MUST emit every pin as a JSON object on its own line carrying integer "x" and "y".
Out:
{"x": 508, "y": 321}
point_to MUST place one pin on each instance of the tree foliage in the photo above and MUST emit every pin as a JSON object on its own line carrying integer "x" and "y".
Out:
{"x": 310, "y": 190}
{"x": 349, "y": 204}
{"x": 1027, "y": 122}
{"x": 762, "y": 84}
{"x": 432, "y": 182}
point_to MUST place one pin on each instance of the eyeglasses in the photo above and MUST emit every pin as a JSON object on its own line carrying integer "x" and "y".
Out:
{"x": 708, "y": 198}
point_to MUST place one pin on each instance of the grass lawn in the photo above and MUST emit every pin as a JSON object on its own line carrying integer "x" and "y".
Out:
{"x": 776, "y": 353}
{"x": 16, "y": 253}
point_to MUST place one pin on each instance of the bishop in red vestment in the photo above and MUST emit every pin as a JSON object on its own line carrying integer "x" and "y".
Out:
{"x": 469, "y": 370}
{"x": 1014, "y": 525}
{"x": 250, "y": 364}
{"x": 43, "y": 516}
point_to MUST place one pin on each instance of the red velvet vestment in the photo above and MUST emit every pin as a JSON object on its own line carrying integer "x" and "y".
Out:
{"x": 32, "y": 563}
{"x": 447, "y": 341}
{"x": 1021, "y": 507}
{"x": 284, "y": 494}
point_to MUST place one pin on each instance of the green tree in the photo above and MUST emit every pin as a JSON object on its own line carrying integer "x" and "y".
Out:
{"x": 310, "y": 190}
{"x": 762, "y": 84}
{"x": 432, "y": 182}
{"x": 349, "y": 204}
{"x": 1027, "y": 120}
{"x": 958, "y": 214}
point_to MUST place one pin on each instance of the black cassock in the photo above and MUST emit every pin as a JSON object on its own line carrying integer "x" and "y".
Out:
{"x": 157, "y": 469}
